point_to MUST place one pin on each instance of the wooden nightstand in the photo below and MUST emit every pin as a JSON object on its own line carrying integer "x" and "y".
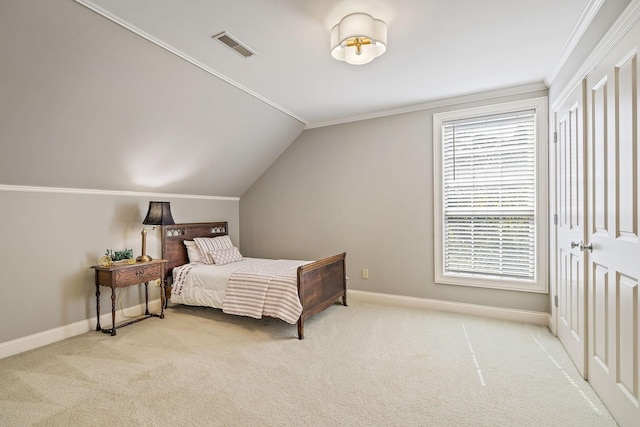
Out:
{"x": 122, "y": 275}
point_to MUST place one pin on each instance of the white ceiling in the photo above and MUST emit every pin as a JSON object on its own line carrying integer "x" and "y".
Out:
{"x": 436, "y": 48}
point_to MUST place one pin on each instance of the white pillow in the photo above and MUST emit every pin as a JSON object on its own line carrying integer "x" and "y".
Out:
{"x": 193, "y": 253}
{"x": 225, "y": 256}
{"x": 208, "y": 244}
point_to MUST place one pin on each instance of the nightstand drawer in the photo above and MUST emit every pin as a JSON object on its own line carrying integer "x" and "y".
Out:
{"x": 137, "y": 274}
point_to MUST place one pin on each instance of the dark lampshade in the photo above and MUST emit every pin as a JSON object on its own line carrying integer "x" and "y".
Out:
{"x": 159, "y": 214}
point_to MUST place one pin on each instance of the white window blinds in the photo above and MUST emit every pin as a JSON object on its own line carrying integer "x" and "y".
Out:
{"x": 489, "y": 195}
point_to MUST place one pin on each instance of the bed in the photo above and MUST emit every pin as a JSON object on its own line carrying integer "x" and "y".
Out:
{"x": 319, "y": 283}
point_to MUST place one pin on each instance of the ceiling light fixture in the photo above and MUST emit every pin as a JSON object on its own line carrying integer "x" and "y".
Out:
{"x": 358, "y": 39}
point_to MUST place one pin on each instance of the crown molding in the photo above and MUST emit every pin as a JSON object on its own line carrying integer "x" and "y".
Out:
{"x": 438, "y": 103}
{"x": 589, "y": 12}
{"x": 31, "y": 189}
{"x": 618, "y": 30}
{"x": 185, "y": 57}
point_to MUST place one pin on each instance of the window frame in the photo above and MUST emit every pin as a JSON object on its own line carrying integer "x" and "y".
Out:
{"x": 540, "y": 284}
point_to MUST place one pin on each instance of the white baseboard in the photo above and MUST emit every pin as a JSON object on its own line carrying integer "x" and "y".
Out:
{"x": 40, "y": 339}
{"x": 525, "y": 316}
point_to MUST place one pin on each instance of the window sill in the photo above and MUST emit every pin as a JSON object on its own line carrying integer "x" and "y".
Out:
{"x": 478, "y": 282}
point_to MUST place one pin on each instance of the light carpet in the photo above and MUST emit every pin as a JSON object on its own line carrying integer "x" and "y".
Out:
{"x": 362, "y": 365}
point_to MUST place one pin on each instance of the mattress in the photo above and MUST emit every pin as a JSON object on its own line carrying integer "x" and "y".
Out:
{"x": 251, "y": 287}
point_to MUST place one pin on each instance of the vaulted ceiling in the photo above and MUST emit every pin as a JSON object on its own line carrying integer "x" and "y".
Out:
{"x": 139, "y": 97}
{"x": 436, "y": 48}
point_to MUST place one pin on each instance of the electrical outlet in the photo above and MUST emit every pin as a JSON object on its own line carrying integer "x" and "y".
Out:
{"x": 365, "y": 273}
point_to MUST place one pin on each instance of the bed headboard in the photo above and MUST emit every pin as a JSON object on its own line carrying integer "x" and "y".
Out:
{"x": 173, "y": 235}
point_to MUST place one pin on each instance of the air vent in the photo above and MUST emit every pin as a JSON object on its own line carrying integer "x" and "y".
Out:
{"x": 234, "y": 44}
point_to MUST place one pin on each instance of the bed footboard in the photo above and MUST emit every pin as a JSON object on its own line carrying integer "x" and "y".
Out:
{"x": 320, "y": 284}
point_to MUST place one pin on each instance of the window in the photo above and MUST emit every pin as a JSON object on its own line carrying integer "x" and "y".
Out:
{"x": 490, "y": 168}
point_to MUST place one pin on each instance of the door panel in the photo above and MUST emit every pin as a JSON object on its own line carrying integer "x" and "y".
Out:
{"x": 599, "y": 147}
{"x": 571, "y": 219}
{"x": 628, "y": 335}
{"x": 600, "y": 314}
{"x": 627, "y": 173}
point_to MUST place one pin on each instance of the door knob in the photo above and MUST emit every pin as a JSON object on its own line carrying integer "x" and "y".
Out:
{"x": 587, "y": 246}
{"x": 582, "y": 246}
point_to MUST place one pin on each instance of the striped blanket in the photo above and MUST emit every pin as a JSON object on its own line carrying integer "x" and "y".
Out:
{"x": 268, "y": 289}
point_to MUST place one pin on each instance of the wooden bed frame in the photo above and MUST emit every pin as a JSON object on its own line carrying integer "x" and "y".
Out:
{"x": 320, "y": 283}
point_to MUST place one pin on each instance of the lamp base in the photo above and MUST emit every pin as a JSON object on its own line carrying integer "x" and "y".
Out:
{"x": 144, "y": 258}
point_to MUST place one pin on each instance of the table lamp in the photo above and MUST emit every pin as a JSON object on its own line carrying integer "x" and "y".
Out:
{"x": 159, "y": 213}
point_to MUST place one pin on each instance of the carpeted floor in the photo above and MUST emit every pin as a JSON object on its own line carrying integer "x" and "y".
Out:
{"x": 362, "y": 365}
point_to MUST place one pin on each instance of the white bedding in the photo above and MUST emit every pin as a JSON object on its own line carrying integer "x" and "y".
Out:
{"x": 206, "y": 284}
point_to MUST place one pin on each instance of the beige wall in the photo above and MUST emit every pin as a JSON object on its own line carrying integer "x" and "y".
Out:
{"x": 50, "y": 241}
{"x": 365, "y": 188}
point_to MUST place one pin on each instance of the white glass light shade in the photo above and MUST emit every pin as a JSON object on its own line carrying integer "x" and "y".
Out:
{"x": 358, "y": 39}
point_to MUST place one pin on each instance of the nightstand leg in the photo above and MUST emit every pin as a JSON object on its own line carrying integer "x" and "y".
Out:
{"x": 98, "y": 328}
{"x": 146, "y": 298}
{"x": 113, "y": 311}
{"x": 162, "y": 299}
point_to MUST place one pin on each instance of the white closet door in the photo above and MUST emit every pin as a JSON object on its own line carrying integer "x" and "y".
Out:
{"x": 613, "y": 267}
{"x": 571, "y": 229}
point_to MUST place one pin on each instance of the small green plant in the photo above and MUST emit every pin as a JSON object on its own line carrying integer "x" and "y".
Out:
{"x": 119, "y": 255}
